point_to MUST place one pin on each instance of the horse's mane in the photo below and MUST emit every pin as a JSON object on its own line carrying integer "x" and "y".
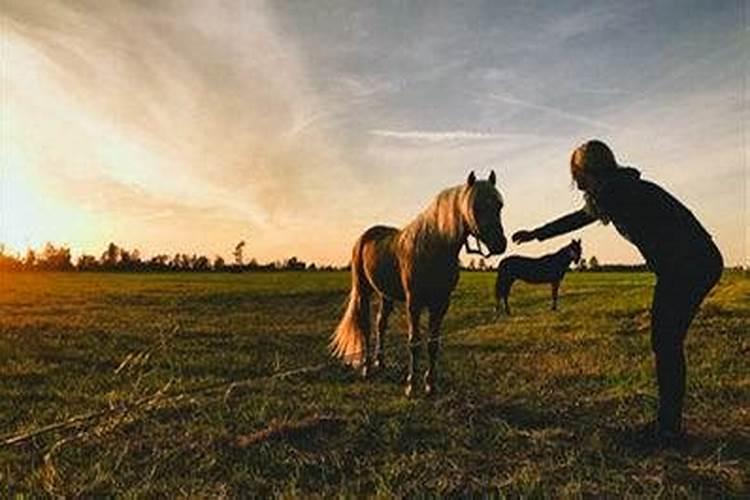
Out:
{"x": 562, "y": 253}
{"x": 442, "y": 222}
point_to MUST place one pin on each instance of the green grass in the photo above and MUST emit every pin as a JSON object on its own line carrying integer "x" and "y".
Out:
{"x": 539, "y": 404}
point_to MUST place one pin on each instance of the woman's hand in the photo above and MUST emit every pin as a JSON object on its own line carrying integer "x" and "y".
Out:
{"x": 523, "y": 236}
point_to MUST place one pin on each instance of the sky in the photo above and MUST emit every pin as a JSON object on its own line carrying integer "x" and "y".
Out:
{"x": 187, "y": 126}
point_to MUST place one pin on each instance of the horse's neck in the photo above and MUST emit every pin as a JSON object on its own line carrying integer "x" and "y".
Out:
{"x": 441, "y": 226}
{"x": 563, "y": 257}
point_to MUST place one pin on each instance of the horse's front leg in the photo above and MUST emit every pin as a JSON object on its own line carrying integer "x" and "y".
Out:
{"x": 437, "y": 313}
{"x": 415, "y": 342}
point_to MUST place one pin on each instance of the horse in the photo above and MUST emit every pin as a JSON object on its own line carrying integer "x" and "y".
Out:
{"x": 418, "y": 265}
{"x": 549, "y": 268}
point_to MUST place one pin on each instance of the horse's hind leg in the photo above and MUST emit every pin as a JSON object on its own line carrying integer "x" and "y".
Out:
{"x": 501, "y": 304}
{"x": 366, "y": 295}
{"x": 437, "y": 313}
{"x": 386, "y": 308}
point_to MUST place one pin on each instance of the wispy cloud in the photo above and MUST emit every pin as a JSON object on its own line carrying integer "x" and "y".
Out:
{"x": 552, "y": 111}
{"x": 604, "y": 91}
{"x": 444, "y": 136}
{"x": 592, "y": 19}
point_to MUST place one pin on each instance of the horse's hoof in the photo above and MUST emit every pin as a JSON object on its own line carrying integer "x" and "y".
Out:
{"x": 430, "y": 390}
{"x": 409, "y": 391}
{"x": 366, "y": 371}
{"x": 379, "y": 364}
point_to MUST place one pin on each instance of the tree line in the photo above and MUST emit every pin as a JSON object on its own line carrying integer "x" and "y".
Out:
{"x": 120, "y": 259}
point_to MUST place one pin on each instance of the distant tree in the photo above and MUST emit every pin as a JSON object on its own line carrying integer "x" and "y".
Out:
{"x": 125, "y": 261}
{"x": 312, "y": 267}
{"x": 87, "y": 263}
{"x": 628, "y": 268}
{"x": 159, "y": 263}
{"x": 156, "y": 263}
{"x": 55, "y": 259}
{"x": 582, "y": 265}
{"x": 135, "y": 256}
{"x": 176, "y": 262}
{"x": 9, "y": 262}
{"x": 29, "y": 262}
{"x": 201, "y": 264}
{"x": 293, "y": 264}
{"x": 219, "y": 263}
{"x": 238, "y": 253}
{"x": 482, "y": 265}
{"x": 111, "y": 256}
{"x": 472, "y": 264}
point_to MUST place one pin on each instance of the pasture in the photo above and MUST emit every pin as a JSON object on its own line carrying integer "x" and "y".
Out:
{"x": 539, "y": 404}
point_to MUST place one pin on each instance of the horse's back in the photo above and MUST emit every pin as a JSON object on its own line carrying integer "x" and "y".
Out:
{"x": 379, "y": 233}
{"x": 380, "y": 262}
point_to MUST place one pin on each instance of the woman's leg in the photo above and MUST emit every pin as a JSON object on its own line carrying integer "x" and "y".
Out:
{"x": 676, "y": 301}
{"x": 668, "y": 329}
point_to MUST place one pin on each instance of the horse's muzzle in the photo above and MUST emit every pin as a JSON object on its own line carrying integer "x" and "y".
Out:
{"x": 497, "y": 247}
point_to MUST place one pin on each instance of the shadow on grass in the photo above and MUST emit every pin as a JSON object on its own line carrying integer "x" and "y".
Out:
{"x": 708, "y": 461}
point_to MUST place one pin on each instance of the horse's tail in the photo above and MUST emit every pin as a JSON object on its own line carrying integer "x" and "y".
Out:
{"x": 348, "y": 341}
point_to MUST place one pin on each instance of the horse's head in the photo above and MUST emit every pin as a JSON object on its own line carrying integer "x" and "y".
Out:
{"x": 574, "y": 249}
{"x": 483, "y": 207}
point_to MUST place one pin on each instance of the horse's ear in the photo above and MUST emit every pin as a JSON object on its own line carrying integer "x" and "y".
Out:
{"x": 472, "y": 179}
{"x": 492, "y": 177}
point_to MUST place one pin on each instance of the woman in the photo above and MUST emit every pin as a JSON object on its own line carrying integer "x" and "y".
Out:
{"x": 676, "y": 247}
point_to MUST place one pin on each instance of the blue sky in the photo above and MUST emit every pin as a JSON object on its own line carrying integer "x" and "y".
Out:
{"x": 295, "y": 125}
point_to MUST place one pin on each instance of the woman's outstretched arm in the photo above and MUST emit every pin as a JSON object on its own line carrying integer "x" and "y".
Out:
{"x": 564, "y": 224}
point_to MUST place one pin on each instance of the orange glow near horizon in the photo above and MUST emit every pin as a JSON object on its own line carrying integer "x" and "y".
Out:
{"x": 29, "y": 218}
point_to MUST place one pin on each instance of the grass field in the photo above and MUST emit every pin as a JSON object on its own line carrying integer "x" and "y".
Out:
{"x": 541, "y": 403}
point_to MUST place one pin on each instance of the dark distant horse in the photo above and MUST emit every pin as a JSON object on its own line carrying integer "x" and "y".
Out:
{"x": 418, "y": 265}
{"x": 546, "y": 269}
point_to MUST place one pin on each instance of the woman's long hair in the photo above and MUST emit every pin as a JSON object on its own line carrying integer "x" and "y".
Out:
{"x": 594, "y": 160}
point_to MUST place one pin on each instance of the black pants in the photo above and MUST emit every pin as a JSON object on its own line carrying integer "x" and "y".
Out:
{"x": 677, "y": 297}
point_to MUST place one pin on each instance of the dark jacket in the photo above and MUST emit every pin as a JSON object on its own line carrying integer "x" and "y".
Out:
{"x": 667, "y": 234}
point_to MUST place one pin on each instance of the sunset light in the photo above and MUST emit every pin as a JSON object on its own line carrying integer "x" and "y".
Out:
{"x": 374, "y": 249}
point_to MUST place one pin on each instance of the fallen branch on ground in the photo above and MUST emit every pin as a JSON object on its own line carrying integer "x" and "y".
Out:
{"x": 284, "y": 429}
